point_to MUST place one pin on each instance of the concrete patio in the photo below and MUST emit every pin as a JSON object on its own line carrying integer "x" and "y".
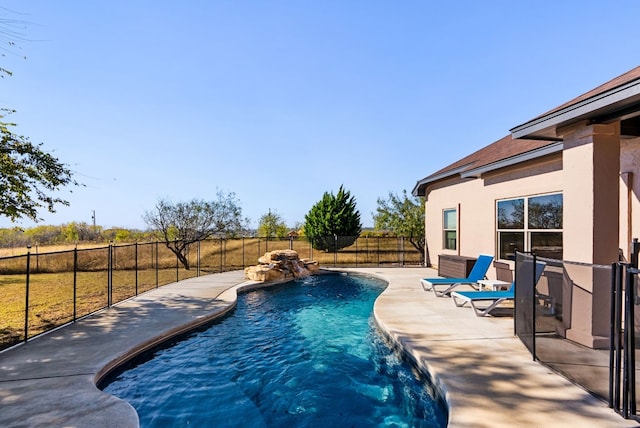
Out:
{"x": 488, "y": 376}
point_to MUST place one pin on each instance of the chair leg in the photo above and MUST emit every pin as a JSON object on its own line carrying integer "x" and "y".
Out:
{"x": 548, "y": 304}
{"x": 457, "y": 303}
{"x": 483, "y": 312}
{"x": 447, "y": 291}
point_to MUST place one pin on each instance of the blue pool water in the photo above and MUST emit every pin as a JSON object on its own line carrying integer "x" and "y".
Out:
{"x": 301, "y": 354}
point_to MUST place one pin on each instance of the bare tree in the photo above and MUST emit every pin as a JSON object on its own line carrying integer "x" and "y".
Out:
{"x": 183, "y": 223}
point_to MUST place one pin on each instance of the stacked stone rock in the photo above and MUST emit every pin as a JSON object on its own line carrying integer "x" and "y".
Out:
{"x": 280, "y": 264}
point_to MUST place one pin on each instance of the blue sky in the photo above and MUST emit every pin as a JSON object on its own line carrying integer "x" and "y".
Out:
{"x": 280, "y": 101}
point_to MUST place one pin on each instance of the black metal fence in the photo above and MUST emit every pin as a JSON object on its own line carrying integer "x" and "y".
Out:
{"x": 524, "y": 302}
{"x": 579, "y": 320}
{"x": 43, "y": 291}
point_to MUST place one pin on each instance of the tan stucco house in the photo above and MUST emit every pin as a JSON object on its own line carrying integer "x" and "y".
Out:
{"x": 565, "y": 185}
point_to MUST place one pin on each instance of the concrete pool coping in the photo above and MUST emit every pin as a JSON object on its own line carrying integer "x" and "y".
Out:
{"x": 489, "y": 378}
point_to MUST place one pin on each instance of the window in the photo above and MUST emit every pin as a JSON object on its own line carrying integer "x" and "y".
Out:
{"x": 450, "y": 229}
{"x": 531, "y": 223}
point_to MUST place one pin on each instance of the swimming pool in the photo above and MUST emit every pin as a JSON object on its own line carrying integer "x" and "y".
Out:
{"x": 305, "y": 353}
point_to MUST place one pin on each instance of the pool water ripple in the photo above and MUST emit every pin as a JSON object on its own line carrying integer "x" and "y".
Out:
{"x": 300, "y": 354}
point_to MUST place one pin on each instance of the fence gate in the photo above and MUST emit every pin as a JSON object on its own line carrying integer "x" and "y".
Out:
{"x": 524, "y": 313}
{"x": 622, "y": 359}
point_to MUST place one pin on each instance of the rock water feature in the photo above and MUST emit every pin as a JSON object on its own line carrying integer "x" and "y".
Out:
{"x": 281, "y": 264}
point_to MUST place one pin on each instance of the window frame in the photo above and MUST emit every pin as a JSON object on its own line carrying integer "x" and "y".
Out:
{"x": 526, "y": 231}
{"x": 447, "y": 231}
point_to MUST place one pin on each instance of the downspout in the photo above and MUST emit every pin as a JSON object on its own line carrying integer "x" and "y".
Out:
{"x": 459, "y": 228}
{"x": 627, "y": 179}
{"x": 629, "y": 206}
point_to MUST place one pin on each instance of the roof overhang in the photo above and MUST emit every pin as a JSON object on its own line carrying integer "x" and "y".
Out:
{"x": 514, "y": 160}
{"x": 615, "y": 104}
{"x": 419, "y": 188}
{"x": 465, "y": 172}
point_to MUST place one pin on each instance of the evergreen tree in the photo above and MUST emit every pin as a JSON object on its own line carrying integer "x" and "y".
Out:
{"x": 333, "y": 222}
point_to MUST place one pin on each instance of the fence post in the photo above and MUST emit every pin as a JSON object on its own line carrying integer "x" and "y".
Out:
{"x": 221, "y": 255}
{"x": 26, "y": 305}
{"x": 617, "y": 338}
{"x": 75, "y": 283}
{"x": 109, "y": 273}
{"x": 533, "y": 308}
{"x": 335, "y": 250}
{"x": 157, "y": 265}
{"x": 630, "y": 343}
{"x": 136, "y": 265}
{"x": 177, "y": 263}
{"x": 356, "y": 251}
{"x": 366, "y": 242}
{"x": 243, "y": 252}
{"x": 198, "y": 258}
{"x": 378, "y": 251}
{"x": 613, "y": 343}
{"x": 625, "y": 372}
{"x": 515, "y": 300}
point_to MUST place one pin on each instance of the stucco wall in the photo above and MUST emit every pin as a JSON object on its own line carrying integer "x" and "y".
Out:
{"x": 629, "y": 193}
{"x": 476, "y": 199}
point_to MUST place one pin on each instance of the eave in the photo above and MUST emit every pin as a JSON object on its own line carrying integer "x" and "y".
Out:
{"x": 618, "y": 102}
{"x": 418, "y": 189}
{"x": 503, "y": 163}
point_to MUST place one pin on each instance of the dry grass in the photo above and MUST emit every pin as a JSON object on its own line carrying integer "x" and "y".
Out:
{"x": 19, "y": 251}
{"x": 51, "y": 279}
{"x": 51, "y": 297}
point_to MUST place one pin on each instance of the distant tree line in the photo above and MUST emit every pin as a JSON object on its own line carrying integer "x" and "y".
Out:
{"x": 331, "y": 224}
{"x": 69, "y": 233}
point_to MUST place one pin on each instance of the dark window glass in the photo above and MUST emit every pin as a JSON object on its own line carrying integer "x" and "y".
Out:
{"x": 547, "y": 244}
{"x": 509, "y": 242}
{"x": 545, "y": 212}
{"x": 450, "y": 240}
{"x": 511, "y": 214}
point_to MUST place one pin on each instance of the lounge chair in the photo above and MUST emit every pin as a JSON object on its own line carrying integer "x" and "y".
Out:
{"x": 490, "y": 299}
{"x": 478, "y": 272}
